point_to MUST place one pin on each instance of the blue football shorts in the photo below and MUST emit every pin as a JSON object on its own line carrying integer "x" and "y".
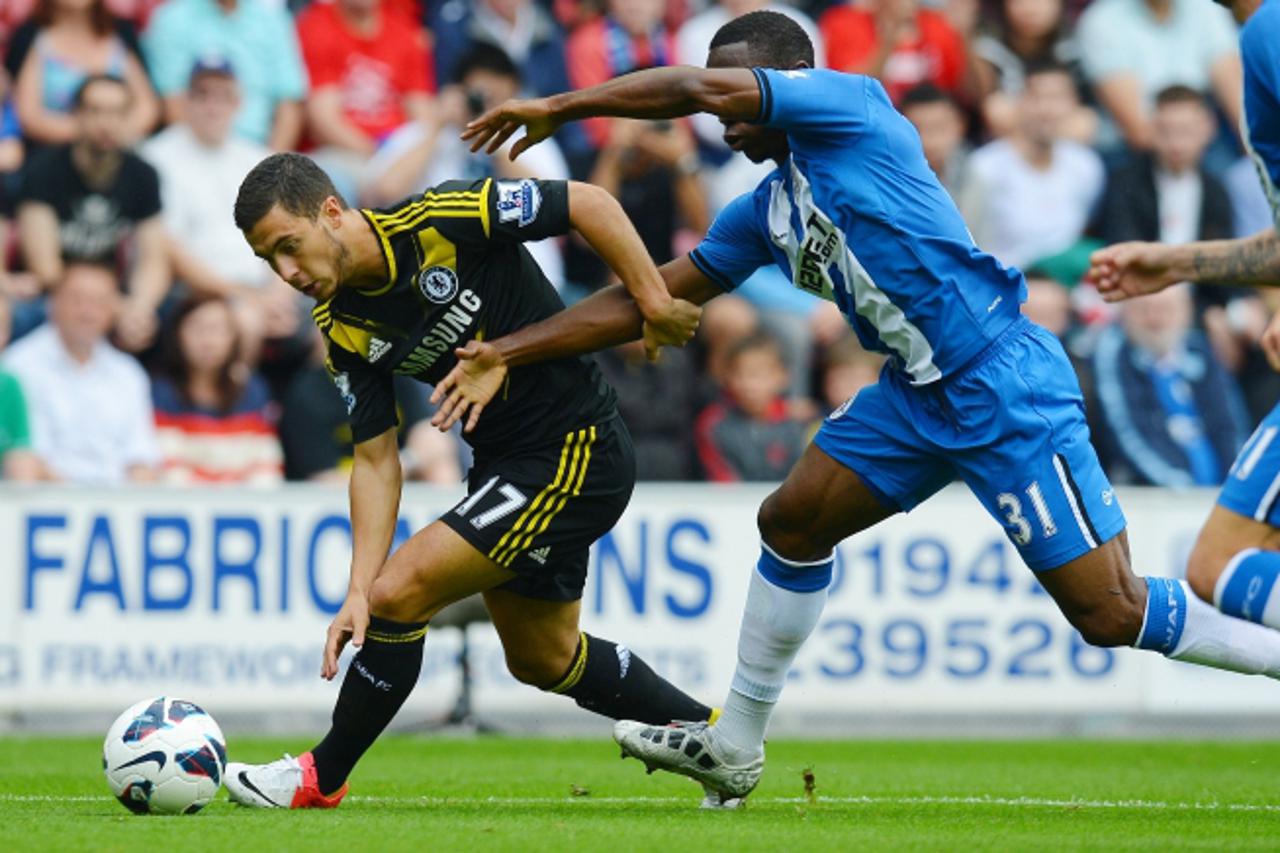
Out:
{"x": 1252, "y": 488}
{"x": 1011, "y": 425}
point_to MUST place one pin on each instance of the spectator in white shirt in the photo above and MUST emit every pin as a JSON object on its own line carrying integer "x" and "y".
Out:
{"x": 201, "y": 163}
{"x": 1133, "y": 49}
{"x": 1030, "y": 196}
{"x": 91, "y": 418}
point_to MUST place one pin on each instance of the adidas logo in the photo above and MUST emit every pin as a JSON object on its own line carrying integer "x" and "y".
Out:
{"x": 378, "y": 348}
{"x": 539, "y": 555}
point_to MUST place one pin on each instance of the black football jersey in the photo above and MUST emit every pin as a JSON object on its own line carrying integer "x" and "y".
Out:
{"x": 457, "y": 272}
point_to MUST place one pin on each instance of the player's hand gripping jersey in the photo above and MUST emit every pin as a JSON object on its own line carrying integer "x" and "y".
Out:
{"x": 858, "y": 217}
{"x": 458, "y": 271}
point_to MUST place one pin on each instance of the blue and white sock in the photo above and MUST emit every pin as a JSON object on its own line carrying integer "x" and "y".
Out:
{"x": 784, "y": 603}
{"x": 1246, "y": 589}
{"x": 1182, "y": 627}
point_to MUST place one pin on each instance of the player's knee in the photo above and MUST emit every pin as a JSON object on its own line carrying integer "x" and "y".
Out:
{"x": 788, "y": 531}
{"x": 388, "y": 601}
{"x": 1115, "y": 625}
{"x": 1204, "y": 567}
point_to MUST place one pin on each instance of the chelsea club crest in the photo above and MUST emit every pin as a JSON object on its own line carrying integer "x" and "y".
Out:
{"x": 439, "y": 284}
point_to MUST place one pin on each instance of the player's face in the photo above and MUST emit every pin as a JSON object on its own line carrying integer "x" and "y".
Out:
{"x": 757, "y": 142}
{"x": 302, "y": 251}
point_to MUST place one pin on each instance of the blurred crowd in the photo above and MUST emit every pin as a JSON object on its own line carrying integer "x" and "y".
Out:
{"x": 141, "y": 340}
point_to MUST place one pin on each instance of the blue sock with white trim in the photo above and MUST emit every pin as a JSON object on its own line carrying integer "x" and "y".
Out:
{"x": 1246, "y": 588}
{"x": 1182, "y": 627}
{"x": 784, "y": 603}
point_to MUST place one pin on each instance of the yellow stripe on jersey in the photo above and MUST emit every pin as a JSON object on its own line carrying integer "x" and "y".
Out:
{"x": 557, "y": 503}
{"x": 484, "y": 205}
{"x": 429, "y": 197}
{"x": 413, "y": 214}
{"x": 570, "y": 441}
{"x": 470, "y": 212}
{"x": 387, "y": 253}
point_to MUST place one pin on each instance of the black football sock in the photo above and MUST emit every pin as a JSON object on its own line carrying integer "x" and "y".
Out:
{"x": 611, "y": 680}
{"x": 380, "y": 678}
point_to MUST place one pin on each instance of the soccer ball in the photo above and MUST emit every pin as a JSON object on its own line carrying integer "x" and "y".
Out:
{"x": 164, "y": 756}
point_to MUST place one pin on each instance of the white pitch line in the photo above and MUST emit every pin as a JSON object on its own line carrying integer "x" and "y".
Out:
{"x": 1003, "y": 802}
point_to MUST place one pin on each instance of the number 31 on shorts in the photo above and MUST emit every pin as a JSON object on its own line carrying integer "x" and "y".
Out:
{"x": 1020, "y": 529}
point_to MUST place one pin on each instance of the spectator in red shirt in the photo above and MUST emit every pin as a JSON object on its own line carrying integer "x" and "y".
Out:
{"x": 370, "y": 71}
{"x": 897, "y": 42}
{"x": 630, "y": 36}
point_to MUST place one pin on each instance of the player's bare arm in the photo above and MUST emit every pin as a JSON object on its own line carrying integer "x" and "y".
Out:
{"x": 605, "y": 319}
{"x": 730, "y": 93}
{"x": 1133, "y": 269}
{"x": 374, "y": 492}
{"x": 601, "y": 221}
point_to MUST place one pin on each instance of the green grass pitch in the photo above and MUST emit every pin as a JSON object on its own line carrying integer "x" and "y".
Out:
{"x": 417, "y": 794}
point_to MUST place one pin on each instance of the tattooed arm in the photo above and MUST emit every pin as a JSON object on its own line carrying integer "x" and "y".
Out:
{"x": 1132, "y": 269}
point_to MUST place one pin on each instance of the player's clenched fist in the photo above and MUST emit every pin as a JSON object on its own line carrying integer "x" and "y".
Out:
{"x": 1131, "y": 269}
{"x": 671, "y": 324}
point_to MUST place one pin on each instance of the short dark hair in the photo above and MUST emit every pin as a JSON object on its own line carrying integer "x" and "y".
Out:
{"x": 77, "y": 100}
{"x": 486, "y": 57}
{"x": 1180, "y": 94}
{"x": 926, "y": 93}
{"x": 290, "y": 180}
{"x": 773, "y": 40}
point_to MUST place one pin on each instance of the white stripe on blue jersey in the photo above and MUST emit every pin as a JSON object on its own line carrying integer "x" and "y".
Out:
{"x": 857, "y": 216}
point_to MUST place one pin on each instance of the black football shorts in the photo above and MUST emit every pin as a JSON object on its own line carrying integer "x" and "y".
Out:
{"x": 537, "y": 511}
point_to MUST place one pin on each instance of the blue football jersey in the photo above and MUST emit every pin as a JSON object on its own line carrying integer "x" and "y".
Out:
{"x": 857, "y": 216}
{"x": 1260, "y": 53}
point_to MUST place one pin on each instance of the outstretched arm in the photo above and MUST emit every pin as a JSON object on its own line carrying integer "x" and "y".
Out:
{"x": 604, "y": 319}
{"x": 730, "y": 93}
{"x": 602, "y": 222}
{"x": 1132, "y": 269}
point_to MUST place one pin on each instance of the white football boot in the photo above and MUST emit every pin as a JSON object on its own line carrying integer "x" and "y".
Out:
{"x": 288, "y": 783}
{"x": 688, "y": 749}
